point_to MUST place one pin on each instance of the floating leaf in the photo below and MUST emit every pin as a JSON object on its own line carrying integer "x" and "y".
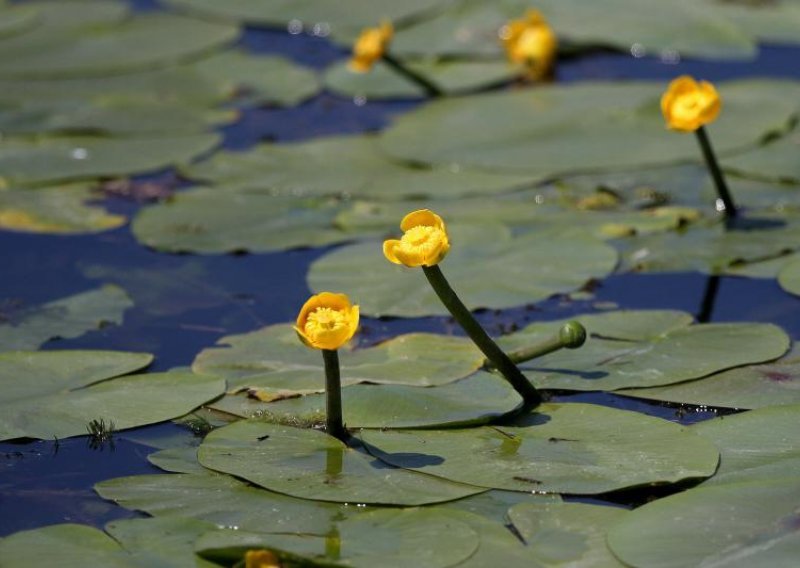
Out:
{"x": 533, "y": 267}
{"x": 754, "y": 524}
{"x": 451, "y": 76}
{"x": 560, "y": 533}
{"x": 236, "y": 504}
{"x": 762, "y": 444}
{"x": 768, "y": 21}
{"x": 259, "y": 79}
{"x": 789, "y": 277}
{"x": 57, "y": 393}
{"x": 310, "y": 464}
{"x": 657, "y": 348}
{"x": 474, "y": 400}
{"x": 65, "y": 318}
{"x": 58, "y": 210}
{"x": 16, "y": 19}
{"x": 274, "y": 359}
{"x": 397, "y": 539}
{"x": 775, "y": 161}
{"x": 559, "y": 448}
{"x": 579, "y": 127}
{"x": 66, "y": 158}
{"x": 342, "y": 165}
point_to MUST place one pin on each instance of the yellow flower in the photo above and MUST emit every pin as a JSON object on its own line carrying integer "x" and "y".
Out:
{"x": 424, "y": 242}
{"x": 261, "y": 559}
{"x": 687, "y": 105}
{"x": 370, "y": 46}
{"x": 531, "y": 42}
{"x": 327, "y": 321}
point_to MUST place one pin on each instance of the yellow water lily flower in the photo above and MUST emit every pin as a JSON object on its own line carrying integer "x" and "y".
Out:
{"x": 370, "y": 46}
{"x": 530, "y": 41}
{"x": 687, "y": 105}
{"x": 261, "y": 559}
{"x": 327, "y": 321}
{"x": 424, "y": 242}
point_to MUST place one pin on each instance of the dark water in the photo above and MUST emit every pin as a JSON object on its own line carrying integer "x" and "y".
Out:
{"x": 45, "y": 482}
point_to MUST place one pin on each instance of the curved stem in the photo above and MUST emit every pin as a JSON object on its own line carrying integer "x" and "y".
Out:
{"x": 571, "y": 336}
{"x": 716, "y": 173}
{"x": 333, "y": 395}
{"x": 479, "y": 336}
{"x": 430, "y": 89}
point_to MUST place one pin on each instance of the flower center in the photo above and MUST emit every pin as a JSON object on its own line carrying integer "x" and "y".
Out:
{"x": 324, "y": 320}
{"x": 691, "y": 102}
{"x": 421, "y": 236}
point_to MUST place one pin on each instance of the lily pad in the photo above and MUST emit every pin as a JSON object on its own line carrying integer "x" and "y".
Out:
{"x": 140, "y": 42}
{"x": 259, "y": 79}
{"x": 450, "y": 76}
{"x": 16, "y": 19}
{"x": 754, "y": 524}
{"x": 580, "y": 127}
{"x": 762, "y": 444}
{"x": 236, "y": 504}
{"x": 659, "y": 348}
{"x": 342, "y": 165}
{"x": 58, "y": 393}
{"x": 64, "y": 318}
{"x": 768, "y": 21}
{"x": 76, "y": 157}
{"x": 136, "y": 543}
{"x": 567, "y": 533}
{"x": 57, "y": 210}
{"x": 789, "y": 277}
{"x": 273, "y": 359}
{"x": 217, "y": 220}
{"x": 474, "y": 400}
{"x": 396, "y": 539}
{"x": 310, "y": 464}
{"x": 775, "y": 161}
{"x": 559, "y": 448}
{"x": 487, "y": 266}
{"x": 753, "y": 386}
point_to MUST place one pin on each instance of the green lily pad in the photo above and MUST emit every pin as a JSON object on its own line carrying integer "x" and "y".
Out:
{"x": 58, "y": 393}
{"x": 140, "y": 42}
{"x": 310, "y": 464}
{"x": 559, "y": 448}
{"x": 274, "y": 359}
{"x": 217, "y": 220}
{"x": 762, "y": 444}
{"x": 66, "y": 158}
{"x": 659, "y": 348}
{"x": 135, "y": 543}
{"x": 754, "y": 524}
{"x": 580, "y": 127}
{"x": 567, "y": 533}
{"x": 776, "y": 161}
{"x": 474, "y": 400}
{"x": 789, "y": 277}
{"x": 396, "y": 539}
{"x": 236, "y": 504}
{"x": 487, "y": 266}
{"x": 470, "y": 28}
{"x": 450, "y": 76}
{"x": 753, "y": 386}
{"x": 342, "y": 165}
{"x": 16, "y": 19}
{"x": 64, "y": 318}
{"x": 768, "y": 21}
{"x": 763, "y": 269}
{"x": 259, "y": 79}
{"x": 307, "y": 13}
{"x": 58, "y": 210}
{"x": 177, "y": 460}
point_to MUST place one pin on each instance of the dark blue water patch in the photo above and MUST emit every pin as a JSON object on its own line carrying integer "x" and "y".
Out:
{"x": 302, "y": 47}
{"x": 48, "y": 482}
{"x": 773, "y": 61}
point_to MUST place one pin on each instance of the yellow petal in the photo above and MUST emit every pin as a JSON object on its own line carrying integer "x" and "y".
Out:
{"x": 421, "y": 218}
{"x": 389, "y": 250}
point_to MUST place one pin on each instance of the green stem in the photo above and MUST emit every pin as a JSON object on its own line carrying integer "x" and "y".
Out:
{"x": 571, "y": 336}
{"x": 430, "y": 89}
{"x": 716, "y": 173}
{"x": 479, "y": 336}
{"x": 333, "y": 394}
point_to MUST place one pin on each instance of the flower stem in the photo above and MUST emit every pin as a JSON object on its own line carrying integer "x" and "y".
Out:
{"x": 478, "y": 335}
{"x": 333, "y": 394}
{"x": 571, "y": 336}
{"x": 716, "y": 173}
{"x": 430, "y": 89}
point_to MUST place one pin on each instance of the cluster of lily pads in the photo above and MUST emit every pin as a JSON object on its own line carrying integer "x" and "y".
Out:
{"x": 544, "y": 188}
